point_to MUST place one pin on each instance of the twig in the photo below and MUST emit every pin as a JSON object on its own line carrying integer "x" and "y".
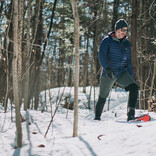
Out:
{"x": 99, "y": 137}
{"x": 151, "y": 9}
{"x": 55, "y": 112}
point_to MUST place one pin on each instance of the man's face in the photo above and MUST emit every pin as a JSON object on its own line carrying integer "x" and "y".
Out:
{"x": 121, "y": 33}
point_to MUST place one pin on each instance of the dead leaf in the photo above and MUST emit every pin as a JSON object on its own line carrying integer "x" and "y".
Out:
{"x": 41, "y": 145}
{"x": 139, "y": 125}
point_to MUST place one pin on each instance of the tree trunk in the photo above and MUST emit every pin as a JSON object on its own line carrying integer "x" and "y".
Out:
{"x": 85, "y": 67}
{"x": 76, "y": 74}
{"x": 70, "y": 72}
{"x": 141, "y": 57}
{"x": 115, "y": 13}
{"x": 96, "y": 40}
{"x": 27, "y": 62}
{"x": 20, "y": 34}
{"x": 146, "y": 71}
{"x": 35, "y": 83}
{"x": 7, "y": 77}
{"x": 134, "y": 34}
{"x": 61, "y": 63}
{"x": 16, "y": 76}
{"x": 152, "y": 84}
{"x": 37, "y": 92}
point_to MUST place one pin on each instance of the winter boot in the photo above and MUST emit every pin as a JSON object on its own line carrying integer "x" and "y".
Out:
{"x": 130, "y": 114}
{"x": 99, "y": 108}
{"x": 133, "y": 94}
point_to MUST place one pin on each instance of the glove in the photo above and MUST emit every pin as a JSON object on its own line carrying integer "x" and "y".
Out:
{"x": 109, "y": 73}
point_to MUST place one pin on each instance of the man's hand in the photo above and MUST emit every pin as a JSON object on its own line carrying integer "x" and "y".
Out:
{"x": 109, "y": 73}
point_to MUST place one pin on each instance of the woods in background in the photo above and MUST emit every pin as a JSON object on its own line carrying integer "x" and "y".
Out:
{"x": 44, "y": 45}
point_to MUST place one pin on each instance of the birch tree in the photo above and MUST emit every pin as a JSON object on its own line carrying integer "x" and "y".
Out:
{"x": 76, "y": 74}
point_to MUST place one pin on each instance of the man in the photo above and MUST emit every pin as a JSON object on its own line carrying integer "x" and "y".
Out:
{"x": 115, "y": 59}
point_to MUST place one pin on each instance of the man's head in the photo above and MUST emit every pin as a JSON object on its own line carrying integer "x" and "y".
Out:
{"x": 121, "y": 28}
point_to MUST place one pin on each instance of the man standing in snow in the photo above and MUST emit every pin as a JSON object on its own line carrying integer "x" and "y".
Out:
{"x": 115, "y": 59}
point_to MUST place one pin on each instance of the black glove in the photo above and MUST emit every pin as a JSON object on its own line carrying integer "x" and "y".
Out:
{"x": 109, "y": 73}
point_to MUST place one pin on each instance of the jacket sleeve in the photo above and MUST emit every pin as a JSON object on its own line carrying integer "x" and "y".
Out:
{"x": 103, "y": 53}
{"x": 130, "y": 69}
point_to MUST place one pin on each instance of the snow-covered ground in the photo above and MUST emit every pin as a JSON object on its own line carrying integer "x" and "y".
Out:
{"x": 112, "y": 136}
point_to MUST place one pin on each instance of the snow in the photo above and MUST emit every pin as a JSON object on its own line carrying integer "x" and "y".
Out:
{"x": 112, "y": 136}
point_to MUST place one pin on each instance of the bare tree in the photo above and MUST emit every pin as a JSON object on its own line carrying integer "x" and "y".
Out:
{"x": 85, "y": 69}
{"x": 152, "y": 84}
{"x": 20, "y": 34}
{"x": 27, "y": 60}
{"x": 16, "y": 90}
{"x": 76, "y": 74}
{"x": 141, "y": 56}
{"x": 133, "y": 34}
{"x": 115, "y": 13}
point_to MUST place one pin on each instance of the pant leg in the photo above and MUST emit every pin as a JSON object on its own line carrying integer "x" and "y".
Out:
{"x": 129, "y": 84}
{"x": 125, "y": 80}
{"x": 99, "y": 108}
{"x": 105, "y": 86}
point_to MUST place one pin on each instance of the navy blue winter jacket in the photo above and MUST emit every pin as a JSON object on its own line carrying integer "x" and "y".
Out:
{"x": 115, "y": 54}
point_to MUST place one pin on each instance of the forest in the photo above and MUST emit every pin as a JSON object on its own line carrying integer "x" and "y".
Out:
{"x": 39, "y": 49}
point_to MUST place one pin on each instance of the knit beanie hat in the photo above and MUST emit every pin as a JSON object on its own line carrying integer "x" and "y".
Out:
{"x": 120, "y": 24}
